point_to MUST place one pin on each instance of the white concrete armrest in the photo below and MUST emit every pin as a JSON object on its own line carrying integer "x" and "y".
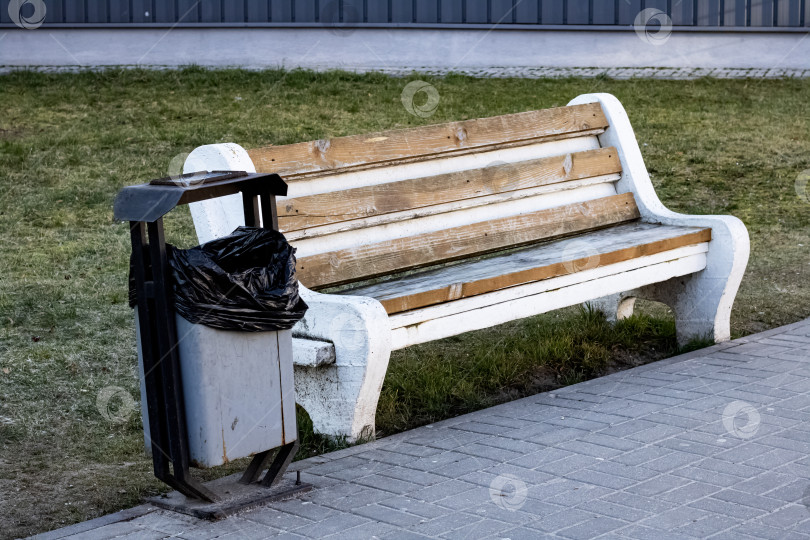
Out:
{"x": 312, "y": 353}
{"x": 341, "y": 398}
{"x": 710, "y": 294}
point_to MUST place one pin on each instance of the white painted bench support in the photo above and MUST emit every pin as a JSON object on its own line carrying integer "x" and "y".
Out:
{"x": 701, "y": 301}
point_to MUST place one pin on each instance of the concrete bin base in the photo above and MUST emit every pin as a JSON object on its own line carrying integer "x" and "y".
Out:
{"x": 232, "y": 389}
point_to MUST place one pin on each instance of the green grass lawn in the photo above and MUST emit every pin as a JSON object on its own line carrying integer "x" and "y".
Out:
{"x": 69, "y": 142}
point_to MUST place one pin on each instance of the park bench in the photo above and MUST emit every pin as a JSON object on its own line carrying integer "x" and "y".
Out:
{"x": 414, "y": 235}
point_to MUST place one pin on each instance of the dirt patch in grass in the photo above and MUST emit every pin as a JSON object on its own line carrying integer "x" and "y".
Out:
{"x": 71, "y": 141}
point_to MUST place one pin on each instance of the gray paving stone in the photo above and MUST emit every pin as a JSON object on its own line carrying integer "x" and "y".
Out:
{"x": 561, "y": 520}
{"x": 108, "y": 532}
{"x": 655, "y": 434}
{"x": 757, "y": 530}
{"x": 707, "y": 477}
{"x": 333, "y": 524}
{"x": 790, "y": 493}
{"x": 574, "y": 462}
{"x": 445, "y": 524}
{"x": 787, "y": 517}
{"x": 308, "y": 510}
{"x": 597, "y": 478}
{"x": 592, "y": 528}
{"x": 578, "y": 495}
{"x": 235, "y": 526}
{"x": 386, "y": 514}
{"x": 356, "y": 500}
{"x": 518, "y": 533}
{"x": 488, "y": 452}
{"x": 515, "y": 445}
{"x": 708, "y": 526}
{"x": 640, "y": 532}
{"x": 366, "y": 531}
{"x": 474, "y": 497}
{"x": 638, "y": 474}
{"x": 416, "y": 507}
{"x": 588, "y": 449}
{"x": 675, "y": 518}
{"x": 661, "y": 484}
{"x": 386, "y": 483}
{"x": 414, "y": 476}
{"x": 437, "y": 492}
{"x": 724, "y": 508}
{"x": 480, "y": 529}
{"x": 689, "y": 492}
{"x": 644, "y": 455}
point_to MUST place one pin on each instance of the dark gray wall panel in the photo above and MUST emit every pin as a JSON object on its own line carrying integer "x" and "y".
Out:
{"x": 401, "y": 11}
{"x": 628, "y": 9}
{"x": 578, "y": 12}
{"x": 451, "y": 11}
{"x": 604, "y": 12}
{"x": 552, "y": 12}
{"x": 164, "y": 12}
{"x": 74, "y": 11}
{"x": 97, "y": 12}
{"x": 729, "y": 13}
{"x": 378, "y": 11}
{"x": 142, "y": 11}
{"x": 500, "y": 12}
{"x": 188, "y": 10}
{"x": 426, "y": 11}
{"x": 476, "y": 12}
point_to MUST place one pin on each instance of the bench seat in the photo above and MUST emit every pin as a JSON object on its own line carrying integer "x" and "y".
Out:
{"x": 537, "y": 262}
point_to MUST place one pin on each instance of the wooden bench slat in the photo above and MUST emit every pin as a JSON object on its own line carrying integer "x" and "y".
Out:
{"x": 338, "y": 206}
{"x": 444, "y": 208}
{"x": 596, "y": 249}
{"x": 343, "y": 153}
{"x": 365, "y": 261}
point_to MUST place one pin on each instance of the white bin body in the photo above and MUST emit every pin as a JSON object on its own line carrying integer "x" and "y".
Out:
{"x": 238, "y": 391}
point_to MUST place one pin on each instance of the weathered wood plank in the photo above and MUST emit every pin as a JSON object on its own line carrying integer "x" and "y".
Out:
{"x": 599, "y": 248}
{"x": 487, "y": 310}
{"x": 464, "y": 204}
{"x": 364, "y": 261}
{"x": 429, "y": 141}
{"x": 363, "y": 202}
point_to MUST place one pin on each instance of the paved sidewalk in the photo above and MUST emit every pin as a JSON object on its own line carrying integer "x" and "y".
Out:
{"x": 715, "y": 443}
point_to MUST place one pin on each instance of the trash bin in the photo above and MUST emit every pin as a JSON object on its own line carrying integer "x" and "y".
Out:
{"x": 235, "y": 300}
{"x": 213, "y": 329}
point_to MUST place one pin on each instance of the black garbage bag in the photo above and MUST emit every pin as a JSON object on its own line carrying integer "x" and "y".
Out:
{"x": 244, "y": 281}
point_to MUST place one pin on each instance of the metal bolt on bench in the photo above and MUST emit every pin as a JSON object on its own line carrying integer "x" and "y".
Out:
{"x": 165, "y": 414}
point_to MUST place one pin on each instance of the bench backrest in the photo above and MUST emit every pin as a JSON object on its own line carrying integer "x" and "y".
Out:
{"x": 370, "y": 205}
